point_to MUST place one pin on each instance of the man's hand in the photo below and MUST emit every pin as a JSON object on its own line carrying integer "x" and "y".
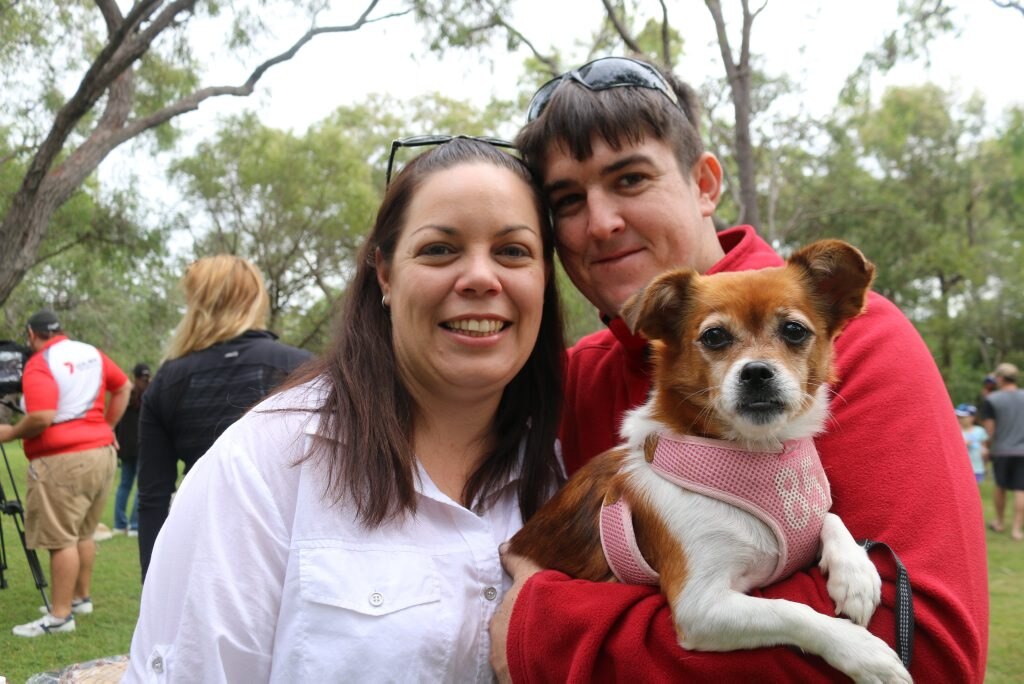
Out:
{"x": 31, "y": 424}
{"x": 519, "y": 569}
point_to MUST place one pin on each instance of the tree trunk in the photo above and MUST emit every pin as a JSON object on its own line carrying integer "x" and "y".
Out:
{"x": 46, "y": 187}
{"x": 738, "y": 74}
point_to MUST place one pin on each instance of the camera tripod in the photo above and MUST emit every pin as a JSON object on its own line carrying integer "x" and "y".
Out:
{"x": 14, "y": 509}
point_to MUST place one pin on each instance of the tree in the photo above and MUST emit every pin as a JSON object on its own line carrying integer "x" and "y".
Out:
{"x": 140, "y": 75}
{"x": 294, "y": 205}
{"x": 117, "y": 293}
{"x": 1010, "y": 4}
{"x": 919, "y": 186}
{"x": 299, "y": 205}
{"x": 739, "y": 73}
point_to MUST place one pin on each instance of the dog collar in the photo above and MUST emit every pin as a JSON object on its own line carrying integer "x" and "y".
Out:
{"x": 784, "y": 488}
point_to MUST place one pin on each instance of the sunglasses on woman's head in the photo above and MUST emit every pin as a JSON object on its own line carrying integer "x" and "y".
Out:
{"x": 602, "y": 74}
{"x": 425, "y": 140}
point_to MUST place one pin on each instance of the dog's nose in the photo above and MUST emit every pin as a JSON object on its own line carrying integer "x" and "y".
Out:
{"x": 756, "y": 373}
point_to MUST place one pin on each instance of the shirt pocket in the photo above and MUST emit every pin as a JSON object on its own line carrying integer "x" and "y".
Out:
{"x": 361, "y": 611}
{"x": 369, "y": 582}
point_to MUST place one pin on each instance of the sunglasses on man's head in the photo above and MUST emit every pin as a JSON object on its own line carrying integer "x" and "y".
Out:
{"x": 424, "y": 140}
{"x": 602, "y": 74}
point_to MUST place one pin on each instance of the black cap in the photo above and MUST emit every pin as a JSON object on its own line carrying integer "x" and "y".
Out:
{"x": 141, "y": 370}
{"x": 44, "y": 321}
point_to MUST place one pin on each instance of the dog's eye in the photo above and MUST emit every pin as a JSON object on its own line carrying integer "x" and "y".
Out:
{"x": 715, "y": 338}
{"x": 794, "y": 333}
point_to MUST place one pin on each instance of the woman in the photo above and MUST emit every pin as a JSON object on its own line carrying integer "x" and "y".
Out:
{"x": 347, "y": 529}
{"x": 221, "y": 362}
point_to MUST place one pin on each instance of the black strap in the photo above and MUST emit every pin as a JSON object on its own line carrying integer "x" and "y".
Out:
{"x": 904, "y": 606}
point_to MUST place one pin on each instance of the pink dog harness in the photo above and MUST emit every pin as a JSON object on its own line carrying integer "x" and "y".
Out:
{"x": 786, "y": 489}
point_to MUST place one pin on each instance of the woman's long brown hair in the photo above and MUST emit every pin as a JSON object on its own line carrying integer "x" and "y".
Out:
{"x": 364, "y": 438}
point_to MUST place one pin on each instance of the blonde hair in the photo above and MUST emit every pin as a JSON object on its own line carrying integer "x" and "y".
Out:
{"x": 224, "y": 296}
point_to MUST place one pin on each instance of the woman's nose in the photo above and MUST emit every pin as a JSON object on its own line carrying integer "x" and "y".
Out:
{"x": 480, "y": 275}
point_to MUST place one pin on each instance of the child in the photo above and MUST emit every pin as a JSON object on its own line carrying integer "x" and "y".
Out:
{"x": 975, "y": 438}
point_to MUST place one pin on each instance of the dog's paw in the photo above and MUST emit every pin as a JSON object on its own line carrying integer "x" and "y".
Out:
{"x": 866, "y": 658}
{"x": 853, "y": 581}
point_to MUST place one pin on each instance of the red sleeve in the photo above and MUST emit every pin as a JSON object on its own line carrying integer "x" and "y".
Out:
{"x": 113, "y": 377}
{"x": 895, "y": 461}
{"x": 39, "y": 388}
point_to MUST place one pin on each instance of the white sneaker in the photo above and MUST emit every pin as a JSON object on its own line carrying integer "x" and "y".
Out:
{"x": 119, "y": 531}
{"x": 102, "y": 533}
{"x": 133, "y": 533}
{"x": 45, "y": 625}
{"x": 78, "y": 607}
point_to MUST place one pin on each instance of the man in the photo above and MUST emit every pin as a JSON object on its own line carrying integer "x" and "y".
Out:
{"x": 1002, "y": 416}
{"x": 69, "y": 441}
{"x": 632, "y": 192}
{"x": 126, "y": 519}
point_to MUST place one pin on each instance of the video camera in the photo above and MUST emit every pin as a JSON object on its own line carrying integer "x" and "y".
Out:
{"x": 12, "y": 364}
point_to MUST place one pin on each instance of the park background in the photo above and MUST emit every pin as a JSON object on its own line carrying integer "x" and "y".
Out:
{"x": 135, "y": 138}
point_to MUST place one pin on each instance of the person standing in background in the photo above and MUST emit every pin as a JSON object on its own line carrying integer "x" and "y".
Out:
{"x": 127, "y": 432}
{"x": 68, "y": 433}
{"x": 221, "y": 361}
{"x": 975, "y": 437}
{"x": 1002, "y": 415}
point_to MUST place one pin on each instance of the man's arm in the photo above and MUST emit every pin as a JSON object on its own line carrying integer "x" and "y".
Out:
{"x": 990, "y": 427}
{"x": 117, "y": 404}
{"x": 894, "y": 455}
{"x": 31, "y": 425}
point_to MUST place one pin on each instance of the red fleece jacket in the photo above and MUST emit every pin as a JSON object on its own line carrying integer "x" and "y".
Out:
{"x": 896, "y": 464}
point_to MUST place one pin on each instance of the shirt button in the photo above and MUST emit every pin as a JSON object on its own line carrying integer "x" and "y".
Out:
{"x": 376, "y": 599}
{"x": 157, "y": 664}
{"x": 490, "y": 593}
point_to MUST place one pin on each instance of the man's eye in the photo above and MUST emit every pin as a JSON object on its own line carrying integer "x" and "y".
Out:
{"x": 631, "y": 179}
{"x": 565, "y": 203}
{"x": 794, "y": 333}
{"x": 716, "y": 338}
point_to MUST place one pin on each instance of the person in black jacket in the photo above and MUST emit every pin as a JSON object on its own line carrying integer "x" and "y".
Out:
{"x": 220, "y": 362}
{"x": 127, "y": 432}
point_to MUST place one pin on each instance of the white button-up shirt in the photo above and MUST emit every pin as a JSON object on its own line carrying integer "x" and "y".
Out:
{"x": 255, "y": 578}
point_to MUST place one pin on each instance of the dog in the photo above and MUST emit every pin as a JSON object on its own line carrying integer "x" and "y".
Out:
{"x": 717, "y": 488}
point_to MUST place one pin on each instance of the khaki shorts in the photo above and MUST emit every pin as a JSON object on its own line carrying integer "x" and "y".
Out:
{"x": 65, "y": 497}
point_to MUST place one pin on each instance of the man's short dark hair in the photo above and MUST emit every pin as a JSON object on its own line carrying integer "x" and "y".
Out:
{"x": 44, "y": 323}
{"x": 620, "y": 116}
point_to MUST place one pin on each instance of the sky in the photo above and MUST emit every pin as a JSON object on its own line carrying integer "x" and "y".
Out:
{"x": 819, "y": 46}
{"x": 816, "y": 44}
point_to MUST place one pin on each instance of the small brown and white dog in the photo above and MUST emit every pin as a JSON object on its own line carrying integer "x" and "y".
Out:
{"x": 717, "y": 488}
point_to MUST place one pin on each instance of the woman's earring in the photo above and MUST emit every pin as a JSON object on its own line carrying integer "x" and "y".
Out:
{"x": 384, "y": 301}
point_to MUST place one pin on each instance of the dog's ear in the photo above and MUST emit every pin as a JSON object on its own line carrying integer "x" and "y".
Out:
{"x": 840, "y": 275}
{"x": 657, "y": 311}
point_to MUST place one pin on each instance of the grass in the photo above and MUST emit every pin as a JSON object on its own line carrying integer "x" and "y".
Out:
{"x": 1006, "y": 594}
{"x": 116, "y": 591}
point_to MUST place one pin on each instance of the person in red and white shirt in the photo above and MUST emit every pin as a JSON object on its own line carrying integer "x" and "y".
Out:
{"x": 69, "y": 441}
